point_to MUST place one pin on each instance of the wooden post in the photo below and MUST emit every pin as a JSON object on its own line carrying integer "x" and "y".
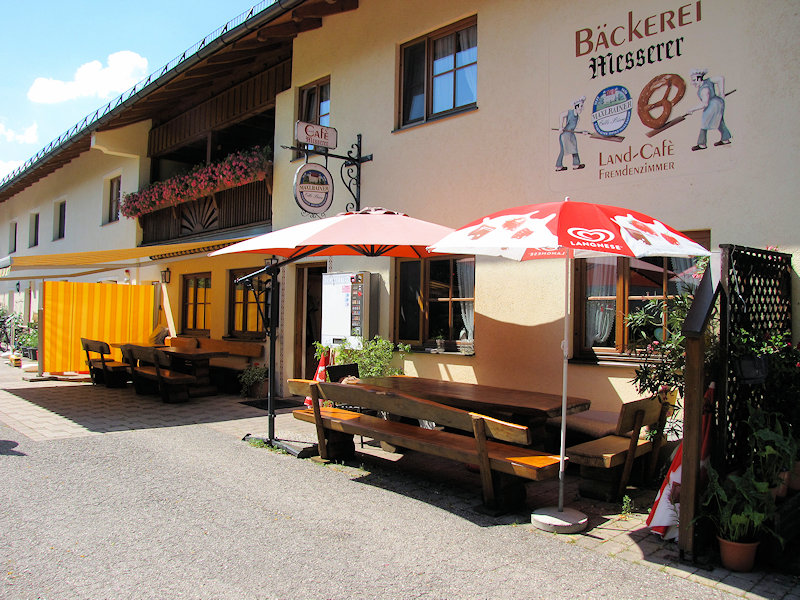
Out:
{"x": 692, "y": 439}
{"x": 322, "y": 446}
{"x": 694, "y": 327}
{"x": 479, "y": 430}
{"x": 631, "y": 456}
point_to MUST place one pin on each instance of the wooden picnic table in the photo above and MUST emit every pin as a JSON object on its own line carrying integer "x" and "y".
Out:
{"x": 196, "y": 362}
{"x": 192, "y": 354}
{"x": 530, "y": 405}
{"x": 143, "y": 344}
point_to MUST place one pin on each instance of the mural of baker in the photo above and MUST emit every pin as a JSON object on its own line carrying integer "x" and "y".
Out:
{"x": 567, "y": 140}
{"x": 711, "y": 92}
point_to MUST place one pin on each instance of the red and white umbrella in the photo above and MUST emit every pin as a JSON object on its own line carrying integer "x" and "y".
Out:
{"x": 568, "y": 230}
{"x": 574, "y": 229}
{"x": 368, "y": 232}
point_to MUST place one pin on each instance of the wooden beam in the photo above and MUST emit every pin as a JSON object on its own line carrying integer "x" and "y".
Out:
{"x": 243, "y": 52}
{"x": 287, "y": 30}
{"x": 692, "y": 440}
{"x": 184, "y": 85}
{"x": 323, "y": 9}
{"x": 219, "y": 68}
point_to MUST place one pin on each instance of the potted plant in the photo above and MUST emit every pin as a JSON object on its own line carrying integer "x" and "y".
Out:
{"x": 374, "y": 358}
{"x": 782, "y": 388}
{"x": 772, "y": 448}
{"x": 254, "y": 381}
{"x": 741, "y": 508}
{"x": 662, "y": 361}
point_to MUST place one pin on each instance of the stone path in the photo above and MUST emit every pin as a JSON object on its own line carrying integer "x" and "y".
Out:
{"x": 51, "y": 410}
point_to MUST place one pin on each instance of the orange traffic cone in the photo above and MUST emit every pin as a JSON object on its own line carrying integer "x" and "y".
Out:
{"x": 321, "y": 374}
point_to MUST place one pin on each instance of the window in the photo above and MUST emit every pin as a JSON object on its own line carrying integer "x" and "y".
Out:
{"x": 12, "y": 238}
{"x": 60, "y": 221}
{"x": 33, "y": 231}
{"x": 609, "y": 288}
{"x": 439, "y": 73}
{"x": 113, "y": 199}
{"x": 315, "y": 104}
{"x": 196, "y": 306}
{"x": 436, "y": 301}
{"x": 244, "y": 319}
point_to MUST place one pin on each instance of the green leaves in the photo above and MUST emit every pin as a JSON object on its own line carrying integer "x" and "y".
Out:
{"x": 740, "y": 505}
{"x": 374, "y": 359}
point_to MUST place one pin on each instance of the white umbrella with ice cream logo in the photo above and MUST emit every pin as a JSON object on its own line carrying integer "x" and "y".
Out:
{"x": 567, "y": 230}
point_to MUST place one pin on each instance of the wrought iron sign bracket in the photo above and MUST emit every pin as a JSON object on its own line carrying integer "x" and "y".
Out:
{"x": 350, "y": 170}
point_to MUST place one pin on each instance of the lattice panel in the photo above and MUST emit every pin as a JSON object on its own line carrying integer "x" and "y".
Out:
{"x": 759, "y": 301}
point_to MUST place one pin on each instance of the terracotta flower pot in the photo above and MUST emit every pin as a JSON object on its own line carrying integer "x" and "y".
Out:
{"x": 781, "y": 490}
{"x": 737, "y": 556}
{"x": 794, "y": 477}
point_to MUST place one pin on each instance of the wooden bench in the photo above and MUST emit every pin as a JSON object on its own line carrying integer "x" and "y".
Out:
{"x": 150, "y": 376}
{"x": 224, "y": 371}
{"x": 606, "y": 462}
{"x": 102, "y": 367}
{"x": 503, "y": 461}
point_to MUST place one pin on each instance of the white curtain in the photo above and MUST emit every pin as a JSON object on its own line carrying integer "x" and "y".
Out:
{"x": 684, "y": 275}
{"x": 465, "y": 272}
{"x": 601, "y": 280}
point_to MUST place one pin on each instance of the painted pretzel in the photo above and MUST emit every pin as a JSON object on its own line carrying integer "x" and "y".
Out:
{"x": 645, "y": 107}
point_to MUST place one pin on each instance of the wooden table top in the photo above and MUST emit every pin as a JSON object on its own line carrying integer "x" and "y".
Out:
{"x": 193, "y": 353}
{"x": 144, "y": 344}
{"x": 481, "y": 398}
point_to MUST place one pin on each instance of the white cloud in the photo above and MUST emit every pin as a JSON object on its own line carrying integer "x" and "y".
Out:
{"x": 6, "y": 166}
{"x": 29, "y": 136}
{"x": 125, "y": 68}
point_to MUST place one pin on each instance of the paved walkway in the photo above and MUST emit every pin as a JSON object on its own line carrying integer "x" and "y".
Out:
{"x": 52, "y": 410}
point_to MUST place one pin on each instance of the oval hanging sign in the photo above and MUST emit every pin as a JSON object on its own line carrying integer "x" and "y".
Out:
{"x": 313, "y": 188}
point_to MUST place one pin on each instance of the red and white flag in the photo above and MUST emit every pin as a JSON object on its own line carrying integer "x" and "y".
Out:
{"x": 663, "y": 517}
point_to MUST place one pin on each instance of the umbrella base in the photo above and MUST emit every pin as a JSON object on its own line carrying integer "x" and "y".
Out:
{"x": 567, "y": 521}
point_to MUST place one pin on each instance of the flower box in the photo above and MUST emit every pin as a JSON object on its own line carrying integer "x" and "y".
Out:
{"x": 237, "y": 169}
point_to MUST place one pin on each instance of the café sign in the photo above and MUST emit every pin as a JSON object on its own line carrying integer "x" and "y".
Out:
{"x": 315, "y": 135}
{"x": 313, "y": 188}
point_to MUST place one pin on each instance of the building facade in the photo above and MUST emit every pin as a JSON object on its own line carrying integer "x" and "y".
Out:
{"x": 674, "y": 109}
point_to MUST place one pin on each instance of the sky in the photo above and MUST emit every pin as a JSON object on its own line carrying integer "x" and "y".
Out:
{"x": 61, "y": 61}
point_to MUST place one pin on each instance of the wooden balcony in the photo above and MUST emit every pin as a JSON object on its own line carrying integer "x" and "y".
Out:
{"x": 248, "y": 204}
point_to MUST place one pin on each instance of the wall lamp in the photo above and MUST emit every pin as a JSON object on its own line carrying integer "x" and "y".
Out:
{"x": 165, "y": 275}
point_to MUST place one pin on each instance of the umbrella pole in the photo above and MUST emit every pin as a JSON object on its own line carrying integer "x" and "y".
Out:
{"x": 558, "y": 519}
{"x": 274, "y": 319}
{"x": 564, "y": 364}
{"x": 273, "y": 328}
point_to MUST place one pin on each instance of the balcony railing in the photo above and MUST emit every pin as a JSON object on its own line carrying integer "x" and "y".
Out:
{"x": 248, "y": 204}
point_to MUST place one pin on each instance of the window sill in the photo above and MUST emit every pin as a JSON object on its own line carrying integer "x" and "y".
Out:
{"x": 436, "y": 118}
{"x": 607, "y": 361}
{"x": 233, "y": 338}
{"x": 425, "y": 350}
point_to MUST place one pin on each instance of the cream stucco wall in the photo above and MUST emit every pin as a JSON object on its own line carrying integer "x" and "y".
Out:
{"x": 454, "y": 170}
{"x": 83, "y": 185}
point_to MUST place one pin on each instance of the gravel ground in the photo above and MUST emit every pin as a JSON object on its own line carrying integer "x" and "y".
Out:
{"x": 188, "y": 512}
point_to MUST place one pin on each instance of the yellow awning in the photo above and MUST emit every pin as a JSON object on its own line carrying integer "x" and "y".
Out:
{"x": 96, "y": 261}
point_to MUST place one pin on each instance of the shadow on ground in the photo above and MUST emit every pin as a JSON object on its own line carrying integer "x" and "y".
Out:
{"x": 7, "y": 448}
{"x": 102, "y": 410}
{"x": 451, "y": 486}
